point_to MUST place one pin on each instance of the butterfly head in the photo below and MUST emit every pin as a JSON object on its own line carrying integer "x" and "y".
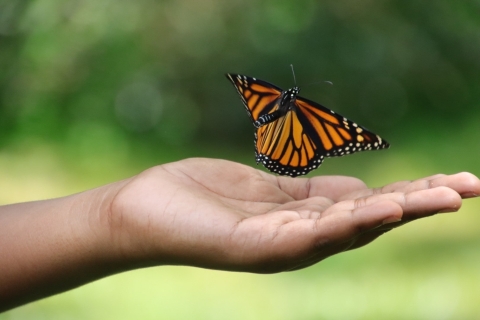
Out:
{"x": 289, "y": 96}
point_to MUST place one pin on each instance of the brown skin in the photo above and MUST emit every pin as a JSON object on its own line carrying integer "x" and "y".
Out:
{"x": 205, "y": 213}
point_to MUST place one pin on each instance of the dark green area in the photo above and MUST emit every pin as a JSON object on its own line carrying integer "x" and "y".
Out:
{"x": 151, "y": 73}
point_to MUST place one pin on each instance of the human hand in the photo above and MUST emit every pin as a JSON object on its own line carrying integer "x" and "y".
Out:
{"x": 223, "y": 215}
{"x": 206, "y": 213}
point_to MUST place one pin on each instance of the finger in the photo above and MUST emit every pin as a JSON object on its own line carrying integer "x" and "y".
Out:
{"x": 399, "y": 186}
{"x": 346, "y": 224}
{"x": 369, "y": 236}
{"x": 279, "y": 241}
{"x": 463, "y": 183}
{"x": 341, "y": 231}
{"x": 466, "y": 184}
{"x": 356, "y": 243}
{"x": 414, "y": 204}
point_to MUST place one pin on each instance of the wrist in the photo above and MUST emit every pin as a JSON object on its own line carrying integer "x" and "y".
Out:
{"x": 103, "y": 234}
{"x": 54, "y": 245}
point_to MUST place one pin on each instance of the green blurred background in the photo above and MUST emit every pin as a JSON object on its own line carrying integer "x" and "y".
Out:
{"x": 95, "y": 91}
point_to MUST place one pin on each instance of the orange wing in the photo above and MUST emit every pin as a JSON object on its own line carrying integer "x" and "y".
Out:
{"x": 259, "y": 97}
{"x": 285, "y": 148}
{"x": 334, "y": 134}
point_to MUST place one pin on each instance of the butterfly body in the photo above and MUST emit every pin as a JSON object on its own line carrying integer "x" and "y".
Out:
{"x": 293, "y": 134}
{"x": 286, "y": 102}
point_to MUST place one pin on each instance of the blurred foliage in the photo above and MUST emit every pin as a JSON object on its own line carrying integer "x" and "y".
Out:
{"x": 153, "y": 70}
{"x": 94, "y": 91}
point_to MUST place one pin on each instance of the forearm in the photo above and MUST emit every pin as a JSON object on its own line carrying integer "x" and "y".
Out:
{"x": 50, "y": 246}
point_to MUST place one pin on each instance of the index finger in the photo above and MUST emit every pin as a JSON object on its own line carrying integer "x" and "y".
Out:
{"x": 465, "y": 184}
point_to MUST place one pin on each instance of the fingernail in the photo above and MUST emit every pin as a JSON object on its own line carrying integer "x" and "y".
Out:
{"x": 448, "y": 210}
{"x": 391, "y": 220}
{"x": 469, "y": 195}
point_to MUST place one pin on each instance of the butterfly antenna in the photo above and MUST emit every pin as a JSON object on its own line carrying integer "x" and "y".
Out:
{"x": 317, "y": 82}
{"x": 293, "y": 72}
{"x": 295, "y": 80}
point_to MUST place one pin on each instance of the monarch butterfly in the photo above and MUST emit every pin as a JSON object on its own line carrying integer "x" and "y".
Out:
{"x": 293, "y": 134}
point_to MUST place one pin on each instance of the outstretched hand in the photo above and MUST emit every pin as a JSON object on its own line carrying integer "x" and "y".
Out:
{"x": 223, "y": 215}
{"x": 206, "y": 213}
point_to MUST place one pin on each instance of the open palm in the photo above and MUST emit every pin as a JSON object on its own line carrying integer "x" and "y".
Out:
{"x": 224, "y": 215}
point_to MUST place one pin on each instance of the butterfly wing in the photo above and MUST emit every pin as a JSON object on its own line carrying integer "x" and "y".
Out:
{"x": 333, "y": 134}
{"x": 259, "y": 97}
{"x": 284, "y": 147}
{"x": 299, "y": 140}
{"x": 281, "y": 146}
